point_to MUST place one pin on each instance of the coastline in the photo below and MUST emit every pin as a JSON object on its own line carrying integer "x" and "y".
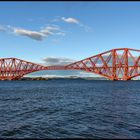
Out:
{"x": 72, "y": 77}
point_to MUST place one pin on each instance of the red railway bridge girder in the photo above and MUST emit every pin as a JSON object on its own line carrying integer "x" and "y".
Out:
{"x": 115, "y": 64}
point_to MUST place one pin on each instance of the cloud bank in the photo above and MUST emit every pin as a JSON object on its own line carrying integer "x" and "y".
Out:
{"x": 48, "y": 30}
{"x": 35, "y": 35}
{"x": 39, "y": 35}
{"x": 57, "y": 61}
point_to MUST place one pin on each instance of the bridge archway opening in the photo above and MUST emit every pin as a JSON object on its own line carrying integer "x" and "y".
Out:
{"x": 64, "y": 74}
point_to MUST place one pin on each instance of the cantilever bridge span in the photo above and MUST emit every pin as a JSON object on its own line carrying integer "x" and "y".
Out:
{"x": 115, "y": 64}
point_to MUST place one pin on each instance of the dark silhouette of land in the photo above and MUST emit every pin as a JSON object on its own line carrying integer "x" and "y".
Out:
{"x": 71, "y": 77}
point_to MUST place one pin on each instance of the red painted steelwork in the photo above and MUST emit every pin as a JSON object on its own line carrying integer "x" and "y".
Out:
{"x": 13, "y": 68}
{"x": 111, "y": 64}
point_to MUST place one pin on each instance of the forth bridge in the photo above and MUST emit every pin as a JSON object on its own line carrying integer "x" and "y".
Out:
{"x": 115, "y": 64}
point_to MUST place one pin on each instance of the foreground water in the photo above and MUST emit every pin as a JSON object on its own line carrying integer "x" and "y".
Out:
{"x": 70, "y": 109}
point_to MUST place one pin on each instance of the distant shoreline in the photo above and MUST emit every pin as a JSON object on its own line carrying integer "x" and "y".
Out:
{"x": 39, "y": 78}
{"x": 52, "y": 78}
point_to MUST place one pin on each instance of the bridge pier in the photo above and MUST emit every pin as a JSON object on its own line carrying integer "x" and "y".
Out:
{"x": 126, "y": 79}
{"x": 122, "y": 79}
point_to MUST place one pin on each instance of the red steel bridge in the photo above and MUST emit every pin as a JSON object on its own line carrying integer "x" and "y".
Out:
{"x": 115, "y": 64}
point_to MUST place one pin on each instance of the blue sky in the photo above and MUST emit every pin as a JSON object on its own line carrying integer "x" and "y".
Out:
{"x": 35, "y": 31}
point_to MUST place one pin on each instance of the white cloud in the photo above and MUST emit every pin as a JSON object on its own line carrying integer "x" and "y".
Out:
{"x": 39, "y": 35}
{"x": 70, "y": 20}
{"x": 60, "y": 33}
{"x": 73, "y": 20}
{"x": 87, "y": 28}
{"x": 86, "y": 74}
{"x": 52, "y": 30}
{"x": 32, "y": 34}
{"x": 58, "y": 76}
{"x": 53, "y": 27}
{"x": 2, "y": 28}
{"x": 57, "y": 61}
{"x": 46, "y": 31}
{"x": 49, "y": 29}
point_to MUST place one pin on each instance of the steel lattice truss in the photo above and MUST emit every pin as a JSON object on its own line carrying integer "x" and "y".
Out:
{"x": 13, "y": 68}
{"x": 115, "y": 64}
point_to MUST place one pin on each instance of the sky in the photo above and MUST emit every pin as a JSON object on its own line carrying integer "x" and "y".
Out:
{"x": 61, "y": 32}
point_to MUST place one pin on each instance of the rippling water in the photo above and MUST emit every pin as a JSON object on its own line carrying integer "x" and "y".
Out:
{"x": 70, "y": 109}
